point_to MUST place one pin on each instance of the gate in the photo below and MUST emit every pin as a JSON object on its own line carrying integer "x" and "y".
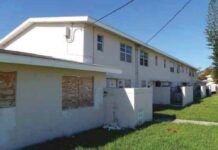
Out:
{"x": 176, "y": 96}
{"x": 197, "y": 92}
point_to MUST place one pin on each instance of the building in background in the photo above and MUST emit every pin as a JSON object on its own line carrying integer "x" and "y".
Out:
{"x": 213, "y": 87}
{"x": 53, "y": 72}
{"x": 79, "y": 39}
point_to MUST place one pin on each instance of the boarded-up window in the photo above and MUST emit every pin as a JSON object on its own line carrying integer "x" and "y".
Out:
{"x": 7, "y": 89}
{"x": 77, "y": 92}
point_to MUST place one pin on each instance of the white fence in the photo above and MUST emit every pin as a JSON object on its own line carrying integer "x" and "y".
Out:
{"x": 166, "y": 96}
{"x": 161, "y": 95}
{"x": 128, "y": 107}
{"x": 213, "y": 88}
{"x": 187, "y": 94}
{"x": 203, "y": 91}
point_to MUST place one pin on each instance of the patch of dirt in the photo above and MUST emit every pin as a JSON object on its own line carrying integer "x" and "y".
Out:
{"x": 171, "y": 130}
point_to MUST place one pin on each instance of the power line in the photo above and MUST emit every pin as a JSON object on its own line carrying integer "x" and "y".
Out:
{"x": 169, "y": 21}
{"x": 113, "y": 11}
{"x": 108, "y": 14}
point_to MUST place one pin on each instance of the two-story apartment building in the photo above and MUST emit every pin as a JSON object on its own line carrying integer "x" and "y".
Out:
{"x": 81, "y": 39}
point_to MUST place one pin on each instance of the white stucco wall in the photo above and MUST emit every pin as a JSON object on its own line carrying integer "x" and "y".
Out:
{"x": 161, "y": 95}
{"x": 187, "y": 93}
{"x": 159, "y": 73}
{"x": 50, "y": 40}
{"x": 38, "y": 115}
{"x": 213, "y": 88}
{"x": 203, "y": 91}
{"x": 128, "y": 107}
{"x": 7, "y": 124}
{"x": 111, "y": 56}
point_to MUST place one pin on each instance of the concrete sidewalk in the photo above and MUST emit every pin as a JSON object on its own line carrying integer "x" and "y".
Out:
{"x": 181, "y": 121}
{"x": 206, "y": 123}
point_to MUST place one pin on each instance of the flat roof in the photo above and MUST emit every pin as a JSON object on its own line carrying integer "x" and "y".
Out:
{"x": 15, "y": 57}
{"x": 90, "y": 20}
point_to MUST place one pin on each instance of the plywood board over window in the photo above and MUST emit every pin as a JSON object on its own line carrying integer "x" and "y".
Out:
{"x": 7, "y": 89}
{"x": 77, "y": 92}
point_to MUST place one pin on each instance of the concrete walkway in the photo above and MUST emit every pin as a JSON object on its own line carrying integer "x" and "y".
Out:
{"x": 206, "y": 123}
{"x": 181, "y": 121}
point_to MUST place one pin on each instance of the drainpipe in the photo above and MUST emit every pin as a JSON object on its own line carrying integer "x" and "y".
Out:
{"x": 136, "y": 65}
{"x": 93, "y": 44}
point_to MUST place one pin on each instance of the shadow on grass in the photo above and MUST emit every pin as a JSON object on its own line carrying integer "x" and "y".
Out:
{"x": 90, "y": 139}
{"x": 160, "y": 107}
{"x": 160, "y": 115}
{"x": 198, "y": 100}
{"x": 164, "y": 107}
{"x": 163, "y": 117}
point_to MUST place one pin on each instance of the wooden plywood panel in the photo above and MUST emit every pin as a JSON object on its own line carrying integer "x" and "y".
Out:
{"x": 77, "y": 92}
{"x": 70, "y": 92}
{"x": 7, "y": 89}
{"x": 86, "y": 92}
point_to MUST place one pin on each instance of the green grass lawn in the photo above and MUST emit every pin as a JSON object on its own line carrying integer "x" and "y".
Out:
{"x": 155, "y": 136}
{"x": 151, "y": 136}
{"x": 205, "y": 110}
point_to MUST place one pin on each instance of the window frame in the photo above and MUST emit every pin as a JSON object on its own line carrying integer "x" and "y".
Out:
{"x": 125, "y": 53}
{"x": 143, "y": 58}
{"x": 189, "y": 72}
{"x": 182, "y": 68}
{"x": 101, "y": 43}
{"x": 143, "y": 83}
{"x": 126, "y": 82}
{"x": 172, "y": 67}
{"x": 79, "y": 84}
{"x": 156, "y": 60}
{"x": 165, "y": 63}
{"x": 178, "y": 68}
{"x": 158, "y": 84}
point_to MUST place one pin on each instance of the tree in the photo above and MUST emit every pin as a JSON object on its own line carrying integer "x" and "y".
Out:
{"x": 212, "y": 36}
{"x": 203, "y": 74}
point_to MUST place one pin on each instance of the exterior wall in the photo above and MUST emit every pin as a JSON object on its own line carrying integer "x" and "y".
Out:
{"x": 110, "y": 56}
{"x": 208, "y": 89}
{"x": 213, "y": 88}
{"x": 161, "y": 95}
{"x": 203, "y": 91}
{"x": 128, "y": 107}
{"x": 7, "y": 124}
{"x": 159, "y": 73}
{"x": 187, "y": 92}
{"x": 50, "y": 40}
{"x": 38, "y": 108}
